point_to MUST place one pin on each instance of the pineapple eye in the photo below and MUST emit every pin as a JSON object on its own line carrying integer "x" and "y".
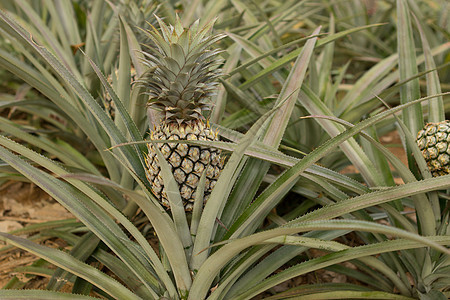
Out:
{"x": 421, "y": 143}
{"x": 179, "y": 175}
{"x": 431, "y": 130}
{"x": 441, "y": 136}
{"x": 157, "y": 183}
{"x": 441, "y": 147}
{"x": 182, "y": 149}
{"x": 187, "y": 165}
{"x": 420, "y": 134}
{"x": 210, "y": 172}
{"x": 436, "y": 165}
{"x": 433, "y": 153}
{"x": 431, "y": 141}
{"x": 198, "y": 168}
{"x": 175, "y": 159}
{"x": 194, "y": 152}
{"x": 165, "y": 150}
{"x": 192, "y": 180}
{"x": 444, "y": 159}
{"x": 191, "y": 137}
{"x": 443, "y": 127}
{"x": 186, "y": 192}
{"x": 205, "y": 157}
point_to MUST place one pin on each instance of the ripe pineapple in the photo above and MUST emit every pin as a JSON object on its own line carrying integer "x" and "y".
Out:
{"x": 434, "y": 142}
{"x": 180, "y": 81}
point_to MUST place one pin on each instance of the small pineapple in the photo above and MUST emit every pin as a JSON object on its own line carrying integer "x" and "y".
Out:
{"x": 180, "y": 81}
{"x": 434, "y": 142}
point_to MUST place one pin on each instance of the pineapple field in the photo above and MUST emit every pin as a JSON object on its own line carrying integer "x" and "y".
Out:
{"x": 237, "y": 149}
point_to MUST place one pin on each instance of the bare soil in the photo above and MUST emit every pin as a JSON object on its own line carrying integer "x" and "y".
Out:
{"x": 22, "y": 204}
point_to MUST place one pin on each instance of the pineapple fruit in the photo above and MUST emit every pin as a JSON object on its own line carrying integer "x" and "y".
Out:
{"x": 434, "y": 142}
{"x": 181, "y": 79}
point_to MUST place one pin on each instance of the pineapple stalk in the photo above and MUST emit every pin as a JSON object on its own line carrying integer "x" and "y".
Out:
{"x": 181, "y": 79}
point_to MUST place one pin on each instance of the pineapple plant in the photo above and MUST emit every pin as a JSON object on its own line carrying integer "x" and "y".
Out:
{"x": 433, "y": 140}
{"x": 180, "y": 82}
{"x": 253, "y": 253}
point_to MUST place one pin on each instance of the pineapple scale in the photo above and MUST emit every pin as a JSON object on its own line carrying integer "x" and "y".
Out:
{"x": 187, "y": 162}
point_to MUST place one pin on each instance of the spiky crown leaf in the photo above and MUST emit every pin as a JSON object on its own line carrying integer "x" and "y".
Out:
{"x": 183, "y": 70}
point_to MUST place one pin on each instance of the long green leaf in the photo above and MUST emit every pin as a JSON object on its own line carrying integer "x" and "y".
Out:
{"x": 376, "y": 85}
{"x": 50, "y": 88}
{"x": 436, "y": 111}
{"x": 76, "y": 160}
{"x": 291, "y": 175}
{"x": 334, "y": 258}
{"x": 290, "y": 91}
{"x": 81, "y": 251}
{"x": 412, "y": 116}
{"x": 268, "y": 154}
{"x": 109, "y": 260}
{"x": 68, "y": 262}
{"x": 269, "y": 264}
{"x": 217, "y": 260}
{"x": 342, "y": 290}
{"x": 383, "y": 196}
{"x": 294, "y": 54}
{"x": 40, "y": 295}
{"x": 341, "y": 294}
{"x": 48, "y": 37}
{"x": 214, "y": 207}
{"x": 130, "y": 125}
{"x": 351, "y": 148}
{"x": 255, "y": 169}
{"x": 176, "y": 203}
{"x": 165, "y": 230}
{"x": 81, "y": 91}
{"x": 83, "y": 207}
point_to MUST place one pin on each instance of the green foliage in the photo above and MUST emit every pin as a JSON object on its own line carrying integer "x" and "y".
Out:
{"x": 307, "y": 91}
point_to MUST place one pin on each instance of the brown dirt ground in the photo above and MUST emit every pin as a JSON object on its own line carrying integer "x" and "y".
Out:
{"x": 22, "y": 204}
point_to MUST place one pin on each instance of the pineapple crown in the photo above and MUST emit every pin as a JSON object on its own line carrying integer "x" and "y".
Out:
{"x": 183, "y": 71}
